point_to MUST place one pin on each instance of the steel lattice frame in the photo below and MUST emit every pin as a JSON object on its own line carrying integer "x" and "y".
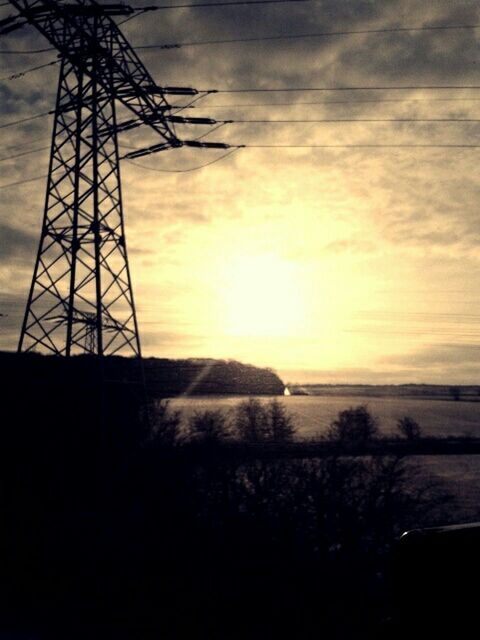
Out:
{"x": 82, "y": 267}
{"x": 81, "y": 294}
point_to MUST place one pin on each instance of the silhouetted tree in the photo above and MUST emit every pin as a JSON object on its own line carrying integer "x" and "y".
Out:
{"x": 281, "y": 425}
{"x": 353, "y": 426}
{"x": 257, "y": 422}
{"x": 251, "y": 421}
{"x": 208, "y": 427}
{"x": 409, "y": 428}
{"x": 164, "y": 424}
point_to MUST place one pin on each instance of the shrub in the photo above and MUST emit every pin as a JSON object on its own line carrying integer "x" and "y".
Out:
{"x": 208, "y": 427}
{"x": 257, "y": 422}
{"x": 353, "y": 426}
{"x": 164, "y": 424}
{"x": 409, "y": 428}
{"x": 280, "y": 421}
{"x": 251, "y": 421}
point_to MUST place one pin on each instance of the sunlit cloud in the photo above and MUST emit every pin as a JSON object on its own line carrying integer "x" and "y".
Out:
{"x": 282, "y": 257}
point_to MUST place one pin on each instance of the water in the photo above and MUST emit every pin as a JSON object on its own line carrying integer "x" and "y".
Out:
{"x": 313, "y": 414}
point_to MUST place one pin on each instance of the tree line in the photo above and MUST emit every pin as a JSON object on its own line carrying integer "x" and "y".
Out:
{"x": 256, "y": 422}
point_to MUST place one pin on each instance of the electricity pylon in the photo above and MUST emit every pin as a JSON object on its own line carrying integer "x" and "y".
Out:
{"x": 81, "y": 297}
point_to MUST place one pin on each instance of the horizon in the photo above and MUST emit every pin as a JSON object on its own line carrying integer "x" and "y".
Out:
{"x": 301, "y": 377}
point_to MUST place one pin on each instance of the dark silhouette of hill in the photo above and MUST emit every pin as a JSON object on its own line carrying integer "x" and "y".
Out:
{"x": 208, "y": 376}
{"x": 164, "y": 378}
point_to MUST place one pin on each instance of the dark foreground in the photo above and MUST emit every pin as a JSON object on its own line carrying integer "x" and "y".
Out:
{"x": 112, "y": 530}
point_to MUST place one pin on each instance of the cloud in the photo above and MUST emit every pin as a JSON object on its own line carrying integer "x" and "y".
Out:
{"x": 400, "y": 220}
{"x": 357, "y": 375}
{"x": 443, "y": 355}
{"x": 16, "y": 244}
{"x": 12, "y": 306}
{"x": 351, "y": 245}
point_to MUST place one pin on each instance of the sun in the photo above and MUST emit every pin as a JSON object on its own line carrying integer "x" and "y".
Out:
{"x": 262, "y": 297}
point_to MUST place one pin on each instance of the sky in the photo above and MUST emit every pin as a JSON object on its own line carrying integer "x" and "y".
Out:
{"x": 335, "y": 265}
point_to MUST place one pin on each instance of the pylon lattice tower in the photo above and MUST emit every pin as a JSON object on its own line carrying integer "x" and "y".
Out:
{"x": 82, "y": 264}
{"x": 81, "y": 298}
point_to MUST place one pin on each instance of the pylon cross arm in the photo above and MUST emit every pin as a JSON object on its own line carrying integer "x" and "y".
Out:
{"x": 83, "y": 29}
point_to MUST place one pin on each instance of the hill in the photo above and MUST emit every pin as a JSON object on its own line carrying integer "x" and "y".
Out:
{"x": 164, "y": 378}
{"x": 210, "y": 377}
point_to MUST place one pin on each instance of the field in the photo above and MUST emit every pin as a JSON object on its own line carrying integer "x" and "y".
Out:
{"x": 313, "y": 414}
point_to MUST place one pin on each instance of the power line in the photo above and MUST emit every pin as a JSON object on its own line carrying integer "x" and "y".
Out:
{"x": 360, "y": 146}
{"x": 218, "y": 126}
{"x": 298, "y": 36}
{"x": 11, "y": 51}
{"x": 15, "y": 184}
{"x": 275, "y": 146}
{"x": 207, "y": 164}
{"x": 15, "y": 122}
{"x": 197, "y": 43}
{"x": 356, "y": 88}
{"x": 47, "y": 113}
{"x": 308, "y": 146}
{"x": 24, "y": 153}
{"x": 205, "y": 5}
{"x": 177, "y": 109}
{"x": 19, "y": 74}
{"x": 140, "y": 11}
{"x": 281, "y": 121}
{"x": 379, "y": 100}
{"x": 319, "y": 120}
{"x": 25, "y": 143}
{"x": 350, "y": 120}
